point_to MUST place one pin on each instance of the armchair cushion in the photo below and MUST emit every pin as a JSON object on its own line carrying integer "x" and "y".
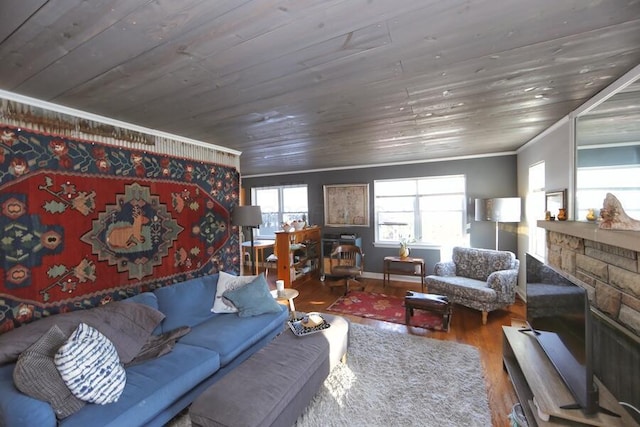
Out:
{"x": 480, "y": 263}
{"x": 445, "y": 268}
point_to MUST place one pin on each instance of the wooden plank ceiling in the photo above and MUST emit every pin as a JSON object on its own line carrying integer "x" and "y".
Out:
{"x": 299, "y": 85}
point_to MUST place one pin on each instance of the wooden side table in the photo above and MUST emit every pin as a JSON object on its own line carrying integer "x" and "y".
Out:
{"x": 287, "y": 297}
{"x": 389, "y": 268}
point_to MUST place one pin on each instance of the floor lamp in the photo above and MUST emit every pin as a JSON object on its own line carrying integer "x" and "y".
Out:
{"x": 501, "y": 209}
{"x": 248, "y": 216}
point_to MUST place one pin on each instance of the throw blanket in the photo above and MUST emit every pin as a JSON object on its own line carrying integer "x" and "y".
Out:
{"x": 127, "y": 324}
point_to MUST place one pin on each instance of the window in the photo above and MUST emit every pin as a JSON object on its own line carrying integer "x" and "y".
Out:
{"x": 595, "y": 182}
{"x": 429, "y": 211}
{"x": 535, "y": 208}
{"x": 280, "y": 204}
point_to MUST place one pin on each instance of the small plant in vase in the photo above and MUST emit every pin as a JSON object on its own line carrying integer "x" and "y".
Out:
{"x": 404, "y": 247}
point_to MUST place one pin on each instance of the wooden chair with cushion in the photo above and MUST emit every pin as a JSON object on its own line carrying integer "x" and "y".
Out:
{"x": 347, "y": 263}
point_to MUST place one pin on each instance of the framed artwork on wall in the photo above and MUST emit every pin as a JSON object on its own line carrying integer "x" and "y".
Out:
{"x": 346, "y": 205}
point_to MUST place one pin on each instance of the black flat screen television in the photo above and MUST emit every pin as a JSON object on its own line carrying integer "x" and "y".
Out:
{"x": 560, "y": 318}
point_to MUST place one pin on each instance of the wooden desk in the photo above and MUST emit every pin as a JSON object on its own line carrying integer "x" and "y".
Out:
{"x": 390, "y": 269}
{"x": 258, "y": 247}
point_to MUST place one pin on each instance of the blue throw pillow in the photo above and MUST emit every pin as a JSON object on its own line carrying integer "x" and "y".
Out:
{"x": 253, "y": 298}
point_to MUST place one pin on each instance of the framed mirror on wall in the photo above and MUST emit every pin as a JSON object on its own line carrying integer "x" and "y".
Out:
{"x": 607, "y": 138}
{"x": 554, "y": 201}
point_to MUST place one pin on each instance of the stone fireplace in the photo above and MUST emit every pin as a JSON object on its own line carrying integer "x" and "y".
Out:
{"x": 607, "y": 264}
{"x": 604, "y": 262}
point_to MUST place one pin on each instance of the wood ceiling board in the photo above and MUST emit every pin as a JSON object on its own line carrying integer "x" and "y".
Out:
{"x": 142, "y": 30}
{"x": 330, "y": 21}
{"x": 46, "y": 36}
{"x": 14, "y": 12}
{"x": 307, "y": 85}
{"x": 241, "y": 56}
{"x": 245, "y": 87}
{"x": 160, "y": 67}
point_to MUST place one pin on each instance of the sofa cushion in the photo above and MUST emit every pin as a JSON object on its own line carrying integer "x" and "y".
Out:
{"x": 147, "y": 298}
{"x": 253, "y": 298}
{"x": 480, "y": 263}
{"x": 127, "y": 325}
{"x": 229, "y": 335}
{"x": 187, "y": 303}
{"x": 151, "y": 388}
{"x": 36, "y": 375}
{"x": 228, "y": 282}
{"x": 89, "y": 365}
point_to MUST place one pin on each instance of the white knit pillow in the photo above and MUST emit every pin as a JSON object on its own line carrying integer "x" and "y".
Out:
{"x": 226, "y": 282}
{"x": 89, "y": 365}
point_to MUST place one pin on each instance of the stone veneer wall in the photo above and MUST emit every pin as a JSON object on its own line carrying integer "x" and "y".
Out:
{"x": 610, "y": 274}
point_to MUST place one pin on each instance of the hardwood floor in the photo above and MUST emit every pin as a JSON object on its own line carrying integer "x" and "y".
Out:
{"x": 466, "y": 327}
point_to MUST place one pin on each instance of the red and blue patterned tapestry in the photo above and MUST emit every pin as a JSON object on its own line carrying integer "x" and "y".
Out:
{"x": 84, "y": 223}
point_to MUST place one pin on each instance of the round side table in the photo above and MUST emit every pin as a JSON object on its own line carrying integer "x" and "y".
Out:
{"x": 287, "y": 297}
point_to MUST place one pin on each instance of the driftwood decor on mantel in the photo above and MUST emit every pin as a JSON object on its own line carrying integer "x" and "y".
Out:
{"x": 614, "y": 217}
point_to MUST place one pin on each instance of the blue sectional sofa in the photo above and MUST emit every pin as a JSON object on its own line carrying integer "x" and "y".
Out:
{"x": 159, "y": 388}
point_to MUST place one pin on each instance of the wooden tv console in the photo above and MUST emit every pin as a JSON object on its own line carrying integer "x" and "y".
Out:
{"x": 535, "y": 379}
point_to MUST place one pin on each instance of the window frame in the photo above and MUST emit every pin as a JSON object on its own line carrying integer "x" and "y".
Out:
{"x": 535, "y": 208}
{"x": 417, "y": 214}
{"x": 281, "y": 213}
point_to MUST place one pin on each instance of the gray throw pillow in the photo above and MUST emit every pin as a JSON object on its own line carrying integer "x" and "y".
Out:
{"x": 253, "y": 298}
{"x": 36, "y": 375}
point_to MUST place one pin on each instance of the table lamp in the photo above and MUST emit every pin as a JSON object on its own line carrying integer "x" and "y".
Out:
{"x": 499, "y": 209}
{"x": 248, "y": 216}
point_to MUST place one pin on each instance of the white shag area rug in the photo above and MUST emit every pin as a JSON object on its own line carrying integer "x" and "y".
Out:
{"x": 394, "y": 379}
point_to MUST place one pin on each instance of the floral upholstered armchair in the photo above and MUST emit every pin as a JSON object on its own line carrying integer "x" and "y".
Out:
{"x": 482, "y": 279}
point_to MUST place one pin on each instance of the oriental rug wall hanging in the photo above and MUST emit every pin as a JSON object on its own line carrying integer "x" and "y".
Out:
{"x": 83, "y": 223}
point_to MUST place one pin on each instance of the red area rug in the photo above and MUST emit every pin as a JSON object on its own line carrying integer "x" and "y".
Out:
{"x": 383, "y": 307}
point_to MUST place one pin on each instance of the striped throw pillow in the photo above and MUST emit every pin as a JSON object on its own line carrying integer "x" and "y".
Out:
{"x": 89, "y": 365}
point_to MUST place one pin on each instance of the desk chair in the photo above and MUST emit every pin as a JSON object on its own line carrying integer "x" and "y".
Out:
{"x": 347, "y": 263}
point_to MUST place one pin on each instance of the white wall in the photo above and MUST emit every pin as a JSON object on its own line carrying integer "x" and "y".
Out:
{"x": 556, "y": 147}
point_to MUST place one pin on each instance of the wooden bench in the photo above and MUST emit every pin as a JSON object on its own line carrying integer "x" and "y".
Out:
{"x": 275, "y": 385}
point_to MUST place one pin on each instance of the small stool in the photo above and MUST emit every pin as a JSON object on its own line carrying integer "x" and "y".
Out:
{"x": 438, "y": 304}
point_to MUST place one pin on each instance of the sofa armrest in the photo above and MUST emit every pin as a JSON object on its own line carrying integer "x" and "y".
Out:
{"x": 504, "y": 282}
{"x": 445, "y": 268}
{"x": 17, "y": 409}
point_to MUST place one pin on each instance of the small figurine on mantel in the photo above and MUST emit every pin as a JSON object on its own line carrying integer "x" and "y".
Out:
{"x": 614, "y": 217}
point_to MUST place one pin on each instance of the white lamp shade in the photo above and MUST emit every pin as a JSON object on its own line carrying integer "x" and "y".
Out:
{"x": 502, "y": 209}
{"x": 246, "y": 216}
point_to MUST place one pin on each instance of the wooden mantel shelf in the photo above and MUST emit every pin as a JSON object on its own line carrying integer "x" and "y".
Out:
{"x": 590, "y": 231}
